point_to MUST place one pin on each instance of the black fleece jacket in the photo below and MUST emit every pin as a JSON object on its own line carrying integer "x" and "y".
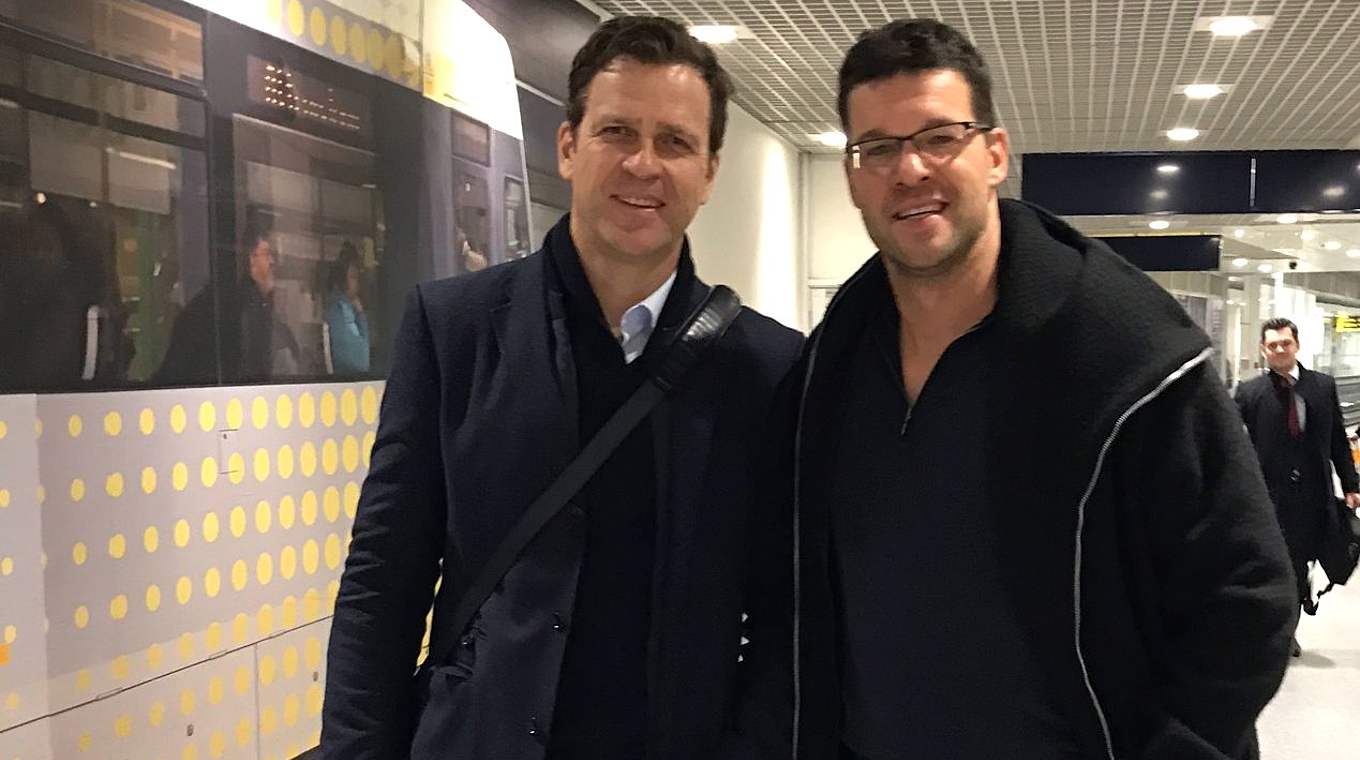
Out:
{"x": 1141, "y": 548}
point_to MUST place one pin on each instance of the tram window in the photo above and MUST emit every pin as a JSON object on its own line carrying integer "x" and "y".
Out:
{"x": 114, "y": 97}
{"x": 13, "y": 157}
{"x": 315, "y": 296}
{"x": 472, "y": 216}
{"x": 126, "y": 30}
{"x": 471, "y": 139}
{"x": 122, "y": 223}
{"x": 517, "y": 243}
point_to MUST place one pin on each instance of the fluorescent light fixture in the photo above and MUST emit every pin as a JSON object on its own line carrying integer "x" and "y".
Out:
{"x": 1158, "y": 195}
{"x": 1232, "y": 26}
{"x": 1234, "y": 278}
{"x": 1239, "y": 262}
{"x": 1182, "y": 134}
{"x": 1287, "y": 218}
{"x": 1200, "y": 91}
{"x": 1332, "y": 245}
{"x": 1159, "y": 224}
{"x": 830, "y": 139}
{"x": 1168, "y": 168}
{"x": 1353, "y": 253}
{"x": 719, "y": 34}
{"x": 1265, "y": 269}
{"x": 1335, "y": 191}
{"x": 1308, "y": 235}
{"x": 1239, "y": 233}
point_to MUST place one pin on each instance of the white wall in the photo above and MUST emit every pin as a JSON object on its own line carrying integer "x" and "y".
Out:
{"x": 749, "y": 235}
{"x": 837, "y": 242}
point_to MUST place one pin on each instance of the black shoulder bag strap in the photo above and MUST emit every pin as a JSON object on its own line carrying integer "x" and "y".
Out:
{"x": 704, "y": 327}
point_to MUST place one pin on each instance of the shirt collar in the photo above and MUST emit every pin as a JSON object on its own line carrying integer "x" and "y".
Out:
{"x": 638, "y": 322}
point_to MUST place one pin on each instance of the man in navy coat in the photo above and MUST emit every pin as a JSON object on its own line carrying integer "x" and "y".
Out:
{"x": 618, "y": 633}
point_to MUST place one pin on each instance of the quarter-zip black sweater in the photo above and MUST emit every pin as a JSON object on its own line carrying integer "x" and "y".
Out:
{"x": 935, "y": 662}
{"x": 1138, "y": 545}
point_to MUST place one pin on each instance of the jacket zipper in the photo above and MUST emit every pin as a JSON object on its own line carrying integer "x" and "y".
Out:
{"x": 1081, "y": 524}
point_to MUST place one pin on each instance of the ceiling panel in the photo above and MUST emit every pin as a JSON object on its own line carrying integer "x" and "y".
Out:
{"x": 1069, "y": 75}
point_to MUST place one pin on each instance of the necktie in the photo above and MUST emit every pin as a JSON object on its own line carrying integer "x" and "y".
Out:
{"x": 1284, "y": 386}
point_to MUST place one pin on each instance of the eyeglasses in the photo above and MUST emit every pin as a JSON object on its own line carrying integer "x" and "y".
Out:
{"x": 881, "y": 154}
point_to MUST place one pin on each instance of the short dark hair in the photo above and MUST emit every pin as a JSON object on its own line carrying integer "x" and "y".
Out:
{"x": 1279, "y": 323}
{"x": 912, "y": 46}
{"x": 655, "y": 41}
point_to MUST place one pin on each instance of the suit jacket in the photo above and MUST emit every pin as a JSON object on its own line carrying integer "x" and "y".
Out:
{"x": 1324, "y": 441}
{"x": 479, "y": 416}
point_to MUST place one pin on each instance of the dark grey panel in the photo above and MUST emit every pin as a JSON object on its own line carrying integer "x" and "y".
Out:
{"x": 505, "y": 154}
{"x": 541, "y": 118}
{"x": 544, "y": 35}
{"x": 549, "y": 189}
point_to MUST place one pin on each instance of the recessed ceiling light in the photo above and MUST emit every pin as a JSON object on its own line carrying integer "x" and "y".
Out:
{"x": 1159, "y": 224}
{"x": 1182, "y": 134}
{"x": 1239, "y": 232}
{"x": 1287, "y": 218}
{"x": 1332, "y": 245}
{"x": 1168, "y": 168}
{"x": 1353, "y": 253}
{"x": 719, "y": 34}
{"x": 1232, "y": 26}
{"x": 830, "y": 139}
{"x": 1200, "y": 91}
{"x": 41, "y": 198}
{"x": 1265, "y": 268}
{"x": 1308, "y": 235}
{"x": 1239, "y": 262}
{"x": 1335, "y": 191}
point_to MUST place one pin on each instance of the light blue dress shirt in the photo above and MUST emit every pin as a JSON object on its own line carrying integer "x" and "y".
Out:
{"x": 636, "y": 327}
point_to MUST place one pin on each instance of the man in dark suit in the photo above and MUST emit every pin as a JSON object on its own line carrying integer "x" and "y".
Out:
{"x": 1294, "y": 419}
{"x": 617, "y": 634}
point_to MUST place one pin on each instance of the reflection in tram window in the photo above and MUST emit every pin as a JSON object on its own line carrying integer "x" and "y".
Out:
{"x": 472, "y": 216}
{"x": 58, "y": 300}
{"x": 125, "y": 30}
{"x": 346, "y": 322}
{"x": 321, "y": 201}
{"x": 136, "y": 209}
{"x": 517, "y": 243}
{"x": 114, "y": 97}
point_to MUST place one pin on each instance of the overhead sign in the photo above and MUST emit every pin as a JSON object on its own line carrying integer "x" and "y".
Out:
{"x": 1347, "y": 323}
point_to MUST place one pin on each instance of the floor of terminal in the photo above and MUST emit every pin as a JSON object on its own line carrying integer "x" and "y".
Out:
{"x": 1316, "y": 715}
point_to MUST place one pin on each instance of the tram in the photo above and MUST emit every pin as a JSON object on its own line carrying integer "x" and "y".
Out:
{"x": 210, "y": 213}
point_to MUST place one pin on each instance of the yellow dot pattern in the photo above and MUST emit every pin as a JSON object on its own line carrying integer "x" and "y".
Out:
{"x": 244, "y": 556}
{"x": 235, "y": 414}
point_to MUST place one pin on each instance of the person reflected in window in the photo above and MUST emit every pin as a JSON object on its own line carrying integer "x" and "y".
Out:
{"x": 345, "y": 315}
{"x": 268, "y": 347}
{"x": 473, "y": 260}
{"x": 55, "y": 266}
{"x": 256, "y": 344}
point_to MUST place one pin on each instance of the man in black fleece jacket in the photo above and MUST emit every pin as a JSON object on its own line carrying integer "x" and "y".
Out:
{"x": 1026, "y": 520}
